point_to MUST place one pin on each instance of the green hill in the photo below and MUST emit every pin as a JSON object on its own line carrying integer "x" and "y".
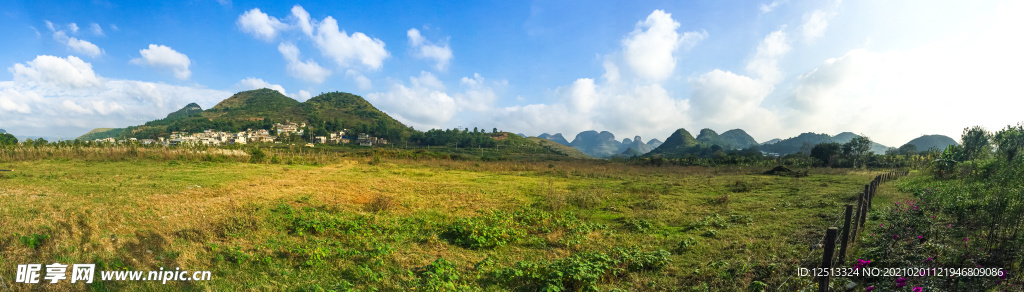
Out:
{"x": 557, "y": 137}
{"x": 712, "y": 138}
{"x": 679, "y": 144}
{"x": 101, "y": 133}
{"x": 559, "y": 148}
{"x": 261, "y": 109}
{"x": 738, "y": 138}
{"x": 932, "y": 142}
{"x": 600, "y": 145}
{"x": 187, "y": 111}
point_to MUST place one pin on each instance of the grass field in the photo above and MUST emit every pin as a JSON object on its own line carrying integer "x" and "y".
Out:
{"x": 371, "y": 224}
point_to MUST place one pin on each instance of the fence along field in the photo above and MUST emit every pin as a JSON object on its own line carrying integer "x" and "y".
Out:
{"x": 359, "y": 223}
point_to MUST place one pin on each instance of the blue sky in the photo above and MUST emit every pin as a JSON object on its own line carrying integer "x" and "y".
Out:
{"x": 892, "y": 71}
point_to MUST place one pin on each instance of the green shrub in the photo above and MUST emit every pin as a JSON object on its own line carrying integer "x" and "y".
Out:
{"x": 441, "y": 275}
{"x": 33, "y": 241}
{"x": 489, "y": 230}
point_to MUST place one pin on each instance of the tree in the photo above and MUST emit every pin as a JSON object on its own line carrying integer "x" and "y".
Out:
{"x": 975, "y": 142}
{"x": 907, "y": 149}
{"x": 8, "y": 139}
{"x": 1009, "y": 141}
{"x": 827, "y": 153}
{"x": 856, "y": 149}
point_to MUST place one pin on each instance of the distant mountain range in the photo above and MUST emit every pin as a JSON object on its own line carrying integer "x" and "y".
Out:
{"x": 603, "y": 144}
{"x": 682, "y": 143}
{"x": 2, "y": 131}
{"x": 261, "y": 108}
{"x": 804, "y": 142}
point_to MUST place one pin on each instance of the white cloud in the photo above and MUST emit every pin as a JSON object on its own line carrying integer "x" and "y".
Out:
{"x": 302, "y": 20}
{"x": 260, "y": 25}
{"x": 361, "y": 81}
{"x": 425, "y": 49}
{"x": 765, "y": 8}
{"x": 114, "y": 27}
{"x": 650, "y": 49}
{"x": 345, "y": 49}
{"x": 63, "y": 96}
{"x": 815, "y": 23}
{"x": 765, "y": 63}
{"x": 257, "y": 83}
{"x": 70, "y": 72}
{"x": 73, "y": 27}
{"x": 50, "y": 25}
{"x": 251, "y": 83}
{"x": 84, "y": 47}
{"x": 96, "y": 29}
{"x": 14, "y": 101}
{"x": 308, "y": 70}
{"x": 166, "y": 57}
{"x": 478, "y": 95}
{"x": 423, "y": 105}
{"x": 75, "y": 44}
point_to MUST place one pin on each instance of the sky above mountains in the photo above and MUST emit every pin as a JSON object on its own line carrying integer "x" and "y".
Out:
{"x": 893, "y": 70}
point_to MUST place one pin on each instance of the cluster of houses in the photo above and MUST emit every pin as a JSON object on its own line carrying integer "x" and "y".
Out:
{"x": 211, "y": 138}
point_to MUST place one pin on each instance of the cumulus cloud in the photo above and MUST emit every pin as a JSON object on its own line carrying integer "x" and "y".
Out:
{"x": 350, "y": 52}
{"x": 74, "y": 44}
{"x": 64, "y": 96}
{"x": 308, "y": 70}
{"x": 165, "y": 57}
{"x": 70, "y": 72}
{"x": 347, "y": 50}
{"x": 765, "y": 63}
{"x": 260, "y": 25}
{"x": 302, "y": 20}
{"x": 424, "y": 49}
{"x": 479, "y": 94}
{"x": 251, "y": 83}
{"x": 650, "y": 49}
{"x": 258, "y": 83}
{"x": 424, "y": 104}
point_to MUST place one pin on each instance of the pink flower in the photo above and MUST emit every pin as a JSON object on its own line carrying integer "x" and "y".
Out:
{"x": 872, "y": 288}
{"x": 918, "y": 289}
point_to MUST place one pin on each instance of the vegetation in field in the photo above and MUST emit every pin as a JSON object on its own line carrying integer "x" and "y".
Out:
{"x": 390, "y": 220}
{"x": 964, "y": 213}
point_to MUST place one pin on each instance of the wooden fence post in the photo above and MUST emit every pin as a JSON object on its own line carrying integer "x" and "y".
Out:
{"x": 867, "y": 191}
{"x": 860, "y": 213}
{"x": 826, "y": 258}
{"x": 846, "y": 234}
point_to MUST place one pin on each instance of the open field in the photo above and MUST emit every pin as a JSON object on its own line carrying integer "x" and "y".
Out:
{"x": 370, "y": 223}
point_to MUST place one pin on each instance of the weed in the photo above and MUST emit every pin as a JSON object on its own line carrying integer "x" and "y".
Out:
{"x": 441, "y": 275}
{"x": 686, "y": 244}
{"x": 489, "y": 230}
{"x": 33, "y": 241}
{"x": 381, "y": 203}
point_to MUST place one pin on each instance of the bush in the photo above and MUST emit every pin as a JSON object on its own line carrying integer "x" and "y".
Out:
{"x": 256, "y": 155}
{"x": 490, "y": 230}
{"x": 441, "y": 275}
